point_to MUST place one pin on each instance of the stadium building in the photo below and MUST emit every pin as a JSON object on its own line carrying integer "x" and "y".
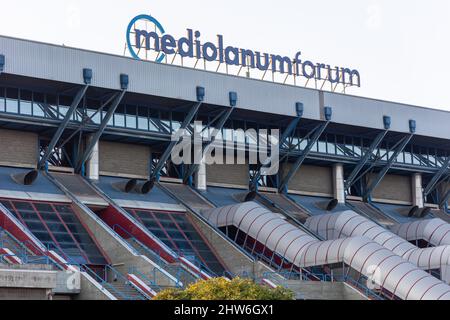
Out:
{"x": 93, "y": 207}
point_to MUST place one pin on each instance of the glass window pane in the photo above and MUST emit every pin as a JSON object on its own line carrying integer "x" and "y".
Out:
{"x": 12, "y": 103}
{"x": 2, "y": 99}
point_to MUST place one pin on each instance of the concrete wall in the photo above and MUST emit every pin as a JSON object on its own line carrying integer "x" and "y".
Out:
{"x": 44, "y": 61}
{"x": 393, "y": 188}
{"x": 311, "y": 180}
{"x": 23, "y": 294}
{"x": 319, "y": 290}
{"x": 18, "y": 148}
{"x": 90, "y": 291}
{"x": 124, "y": 159}
{"x": 236, "y": 174}
{"x": 22, "y": 278}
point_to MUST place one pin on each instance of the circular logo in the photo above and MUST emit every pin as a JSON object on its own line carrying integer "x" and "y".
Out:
{"x": 130, "y": 30}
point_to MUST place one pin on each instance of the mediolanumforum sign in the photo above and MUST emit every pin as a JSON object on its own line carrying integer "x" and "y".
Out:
{"x": 154, "y": 38}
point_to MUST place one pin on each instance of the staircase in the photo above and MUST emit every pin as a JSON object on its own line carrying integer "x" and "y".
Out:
{"x": 125, "y": 291}
{"x": 188, "y": 196}
{"x": 321, "y": 290}
{"x": 9, "y": 242}
{"x": 441, "y": 215}
{"x": 175, "y": 269}
{"x": 287, "y": 205}
{"x": 372, "y": 213}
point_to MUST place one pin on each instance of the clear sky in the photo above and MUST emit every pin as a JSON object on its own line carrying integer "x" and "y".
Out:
{"x": 400, "y": 47}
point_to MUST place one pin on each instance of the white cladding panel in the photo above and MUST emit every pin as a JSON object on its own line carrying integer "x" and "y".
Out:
{"x": 366, "y": 112}
{"x": 65, "y": 64}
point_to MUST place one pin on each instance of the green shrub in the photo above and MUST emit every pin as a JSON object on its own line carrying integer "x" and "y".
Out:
{"x": 223, "y": 289}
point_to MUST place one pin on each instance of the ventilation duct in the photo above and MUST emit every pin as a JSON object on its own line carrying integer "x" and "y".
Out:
{"x": 25, "y": 178}
{"x": 327, "y": 205}
{"x": 413, "y": 211}
{"x": 250, "y": 196}
{"x": 125, "y": 186}
{"x": 332, "y": 205}
{"x": 145, "y": 187}
{"x": 423, "y": 213}
{"x": 408, "y": 211}
{"x": 396, "y": 275}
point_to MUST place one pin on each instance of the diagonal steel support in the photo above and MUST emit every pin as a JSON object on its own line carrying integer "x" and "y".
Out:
{"x": 318, "y": 132}
{"x": 388, "y": 166}
{"x": 434, "y": 181}
{"x": 445, "y": 199}
{"x": 205, "y": 148}
{"x": 286, "y": 134}
{"x": 87, "y": 153}
{"x": 165, "y": 156}
{"x": 352, "y": 177}
{"x": 81, "y": 93}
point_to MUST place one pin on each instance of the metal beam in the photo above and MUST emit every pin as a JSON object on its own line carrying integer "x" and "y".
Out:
{"x": 165, "y": 156}
{"x": 205, "y": 148}
{"x": 434, "y": 181}
{"x": 97, "y": 135}
{"x": 352, "y": 177}
{"x": 50, "y": 149}
{"x": 317, "y": 133}
{"x": 286, "y": 134}
{"x": 388, "y": 166}
{"x": 444, "y": 199}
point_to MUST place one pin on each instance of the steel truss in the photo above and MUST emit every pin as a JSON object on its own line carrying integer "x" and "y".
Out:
{"x": 400, "y": 147}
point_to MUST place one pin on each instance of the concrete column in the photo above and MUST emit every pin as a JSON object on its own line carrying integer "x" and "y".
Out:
{"x": 92, "y": 165}
{"x": 200, "y": 177}
{"x": 417, "y": 190}
{"x": 338, "y": 182}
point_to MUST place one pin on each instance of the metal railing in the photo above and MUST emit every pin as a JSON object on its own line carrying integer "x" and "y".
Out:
{"x": 155, "y": 256}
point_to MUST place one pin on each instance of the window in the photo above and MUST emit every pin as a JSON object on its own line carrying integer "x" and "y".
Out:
{"x": 178, "y": 233}
{"x": 26, "y": 102}
{"x": 58, "y": 228}
{"x": 12, "y": 100}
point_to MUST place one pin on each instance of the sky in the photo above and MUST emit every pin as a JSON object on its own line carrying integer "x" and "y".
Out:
{"x": 399, "y": 47}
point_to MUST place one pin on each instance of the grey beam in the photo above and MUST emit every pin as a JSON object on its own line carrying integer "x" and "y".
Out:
{"x": 63, "y": 125}
{"x": 205, "y": 148}
{"x": 165, "y": 156}
{"x": 352, "y": 177}
{"x": 388, "y": 166}
{"x": 298, "y": 163}
{"x": 87, "y": 153}
{"x": 434, "y": 181}
{"x": 286, "y": 134}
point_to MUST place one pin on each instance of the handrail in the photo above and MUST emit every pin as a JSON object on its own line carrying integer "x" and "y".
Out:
{"x": 156, "y": 257}
{"x": 375, "y": 207}
{"x": 288, "y": 215}
{"x": 25, "y": 254}
{"x": 144, "y": 247}
{"x": 150, "y": 282}
{"x": 324, "y": 277}
{"x": 103, "y": 282}
{"x": 111, "y": 202}
{"x": 19, "y": 224}
{"x": 360, "y": 287}
{"x": 92, "y": 273}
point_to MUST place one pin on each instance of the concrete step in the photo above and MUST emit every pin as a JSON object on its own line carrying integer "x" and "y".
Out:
{"x": 320, "y": 290}
{"x": 127, "y": 290}
{"x": 372, "y": 213}
{"x": 174, "y": 269}
{"x": 287, "y": 205}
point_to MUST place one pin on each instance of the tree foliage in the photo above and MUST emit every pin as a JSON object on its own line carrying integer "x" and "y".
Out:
{"x": 224, "y": 289}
